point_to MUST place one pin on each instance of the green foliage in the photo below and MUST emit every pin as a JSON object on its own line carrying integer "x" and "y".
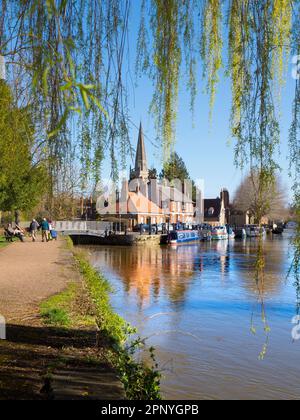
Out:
{"x": 111, "y": 325}
{"x": 72, "y": 59}
{"x": 56, "y": 308}
{"x": 67, "y": 62}
{"x": 294, "y": 146}
{"x": 21, "y": 181}
{"x": 153, "y": 173}
{"x": 3, "y": 242}
{"x": 175, "y": 168}
{"x": 141, "y": 382}
{"x": 211, "y": 45}
{"x": 55, "y": 317}
{"x": 167, "y": 59}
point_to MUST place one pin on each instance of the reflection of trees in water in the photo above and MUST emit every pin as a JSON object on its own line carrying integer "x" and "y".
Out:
{"x": 147, "y": 270}
{"x": 276, "y": 252}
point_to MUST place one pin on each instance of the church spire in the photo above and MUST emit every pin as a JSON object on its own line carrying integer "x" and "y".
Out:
{"x": 141, "y": 167}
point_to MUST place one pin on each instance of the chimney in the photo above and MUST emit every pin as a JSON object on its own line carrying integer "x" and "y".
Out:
{"x": 225, "y": 197}
{"x": 2, "y": 68}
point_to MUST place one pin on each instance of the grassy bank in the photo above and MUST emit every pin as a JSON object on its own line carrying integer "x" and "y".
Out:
{"x": 3, "y": 242}
{"x": 87, "y": 305}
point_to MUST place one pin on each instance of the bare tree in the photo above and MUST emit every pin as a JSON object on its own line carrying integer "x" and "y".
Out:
{"x": 271, "y": 203}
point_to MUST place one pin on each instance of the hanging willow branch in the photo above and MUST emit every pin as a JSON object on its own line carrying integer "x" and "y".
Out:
{"x": 294, "y": 146}
{"x": 167, "y": 59}
{"x": 211, "y": 45}
{"x": 65, "y": 60}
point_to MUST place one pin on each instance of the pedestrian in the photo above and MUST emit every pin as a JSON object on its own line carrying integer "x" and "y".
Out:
{"x": 34, "y": 226}
{"x": 45, "y": 230}
{"x": 19, "y": 233}
{"x": 50, "y": 230}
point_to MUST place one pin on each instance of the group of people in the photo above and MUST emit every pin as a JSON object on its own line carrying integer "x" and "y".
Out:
{"x": 16, "y": 232}
{"x": 46, "y": 226}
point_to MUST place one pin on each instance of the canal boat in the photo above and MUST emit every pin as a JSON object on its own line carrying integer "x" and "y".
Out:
{"x": 205, "y": 235}
{"x": 254, "y": 231}
{"x": 277, "y": 229}
{"x": 231, "y": 233}
{"x": 183, "y": 236}
{"x": 219, "y": 233}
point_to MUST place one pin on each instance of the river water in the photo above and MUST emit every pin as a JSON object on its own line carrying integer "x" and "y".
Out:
{"x": 197, "y": 304}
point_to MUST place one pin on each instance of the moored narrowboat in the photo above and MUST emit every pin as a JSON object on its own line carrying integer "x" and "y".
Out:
{"x": 254, "y": 231}
{"x": 183, "y": 236}
{"x": 219, "y": 233}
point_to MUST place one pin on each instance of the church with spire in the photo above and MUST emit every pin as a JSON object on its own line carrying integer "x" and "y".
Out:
{"x": 140, "y": 170}
{"x": 148, "y": 201}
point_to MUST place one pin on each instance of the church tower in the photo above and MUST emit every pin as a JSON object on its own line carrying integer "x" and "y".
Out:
{"x": 141, "y": 168}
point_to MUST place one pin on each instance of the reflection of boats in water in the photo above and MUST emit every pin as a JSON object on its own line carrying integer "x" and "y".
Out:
{"x": 241, "y": 233}
{"x": 219, "y": 233}
{"x": 254, "y": 231}
{"x": 183, "y": 236}
{"x": 231, "y": 233}
{"x": 290, "y": 229}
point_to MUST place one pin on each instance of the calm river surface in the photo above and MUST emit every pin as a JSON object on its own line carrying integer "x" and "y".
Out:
{"x": 196, "y": 302}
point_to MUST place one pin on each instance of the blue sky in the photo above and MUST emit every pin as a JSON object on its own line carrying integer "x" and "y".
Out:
{"x": 206, "y": 148}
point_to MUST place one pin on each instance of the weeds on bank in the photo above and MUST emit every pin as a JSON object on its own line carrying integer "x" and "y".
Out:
{"x": 3, "y": 242}
{"x": 55, "y": 311}
{"x": 140, "y": 380}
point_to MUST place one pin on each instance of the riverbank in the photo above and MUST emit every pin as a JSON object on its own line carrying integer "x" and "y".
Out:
{"x": 47, "y": 355}
{"x": 64, "y": 340}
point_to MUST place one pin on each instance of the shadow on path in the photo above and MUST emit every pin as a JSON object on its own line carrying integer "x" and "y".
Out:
{"x": 50, "y": 363}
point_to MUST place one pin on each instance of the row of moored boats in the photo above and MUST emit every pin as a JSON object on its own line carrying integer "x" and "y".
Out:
{"x": 217, "y": 233}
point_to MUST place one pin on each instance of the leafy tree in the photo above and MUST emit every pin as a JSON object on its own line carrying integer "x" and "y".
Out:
{"x": 175, "y": 168}
{"x": 22, "y": 182}
{"x": 153, "y": 173}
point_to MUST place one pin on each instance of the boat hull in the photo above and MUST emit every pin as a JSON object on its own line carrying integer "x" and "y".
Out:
{"x": 220, "y": 237}
{"x": 183, "y": 237}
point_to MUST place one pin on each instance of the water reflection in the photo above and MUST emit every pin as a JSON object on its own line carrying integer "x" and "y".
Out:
{"x": 208, "y": 291}
{"x": 144, "y": 270}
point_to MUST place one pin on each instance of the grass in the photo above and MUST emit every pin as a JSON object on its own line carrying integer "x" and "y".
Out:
{"x": 56, "y": 310}
{"x": 87, "y": 304}
{"x": 3, "y": 242}
{"x": 56, "y": 317}
{"x": 68, "y": 309}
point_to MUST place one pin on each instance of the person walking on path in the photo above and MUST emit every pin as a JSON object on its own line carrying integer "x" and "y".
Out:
{"x": 33, "y": 229}
{"x": 50, "y": 230}
{"x": 45, "y": 230}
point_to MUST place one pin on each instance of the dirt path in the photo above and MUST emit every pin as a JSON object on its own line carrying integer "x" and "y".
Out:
{"x": 29, "y": 273}
{"x": 39, "y": 362}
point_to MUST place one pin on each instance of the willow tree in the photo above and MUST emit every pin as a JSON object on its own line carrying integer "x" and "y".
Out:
{"x": 294, "y": 143}
{"x": 65, "y": 59}
{"x": 69, "y": 58}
